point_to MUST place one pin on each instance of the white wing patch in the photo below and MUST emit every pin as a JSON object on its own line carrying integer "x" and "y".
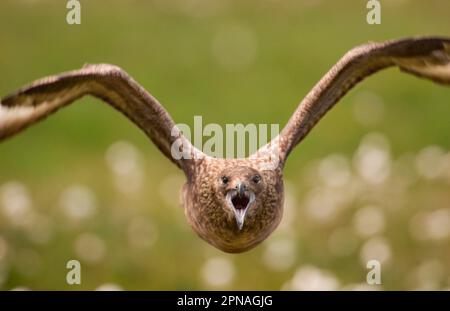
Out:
{"x": 13, "y": 119}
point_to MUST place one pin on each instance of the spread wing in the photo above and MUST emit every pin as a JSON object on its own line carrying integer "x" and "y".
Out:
{"x": 425, "y": 57}
{"x": 109, "y": 83}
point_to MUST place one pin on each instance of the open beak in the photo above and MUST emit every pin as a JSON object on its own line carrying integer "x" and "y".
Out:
{"x": 240, "y": 200}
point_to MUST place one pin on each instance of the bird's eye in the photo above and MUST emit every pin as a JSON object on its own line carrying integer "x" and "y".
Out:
{"x": 225, "y": 180}
{"x": 256, "y": 179}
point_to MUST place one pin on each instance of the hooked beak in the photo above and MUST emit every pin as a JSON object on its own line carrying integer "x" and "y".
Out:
{"x": 241, "y": 189}
{"x": 240, "y": 200}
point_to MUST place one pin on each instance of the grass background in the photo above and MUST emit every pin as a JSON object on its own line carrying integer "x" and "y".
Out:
{"x": 176, "y": 50}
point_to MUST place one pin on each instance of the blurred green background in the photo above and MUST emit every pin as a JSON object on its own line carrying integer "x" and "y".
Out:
{"x": 371, "y": 181}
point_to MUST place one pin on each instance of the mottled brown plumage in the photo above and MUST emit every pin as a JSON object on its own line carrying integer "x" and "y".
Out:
{"x": 233, "y": 204}
{"x": 211, "y": 214}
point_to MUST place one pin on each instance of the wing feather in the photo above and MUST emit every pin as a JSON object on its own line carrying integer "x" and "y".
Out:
{"x": 426, "y": 57}
{"x": 107, "y": 82}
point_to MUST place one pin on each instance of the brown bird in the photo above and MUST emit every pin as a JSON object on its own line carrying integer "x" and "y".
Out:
{"x": 233, "y": 204}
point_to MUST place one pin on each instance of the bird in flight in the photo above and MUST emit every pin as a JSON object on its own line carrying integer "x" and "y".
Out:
{"x": 233, "y": 204}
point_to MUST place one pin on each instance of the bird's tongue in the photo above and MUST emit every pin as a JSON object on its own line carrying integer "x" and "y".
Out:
{"x": 239, "y": 206}
{"x": 240, "y": 202}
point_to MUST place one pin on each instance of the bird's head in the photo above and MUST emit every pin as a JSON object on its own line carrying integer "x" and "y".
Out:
{"x": 234, "y": 205}
{"x": 239, "y": 188}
